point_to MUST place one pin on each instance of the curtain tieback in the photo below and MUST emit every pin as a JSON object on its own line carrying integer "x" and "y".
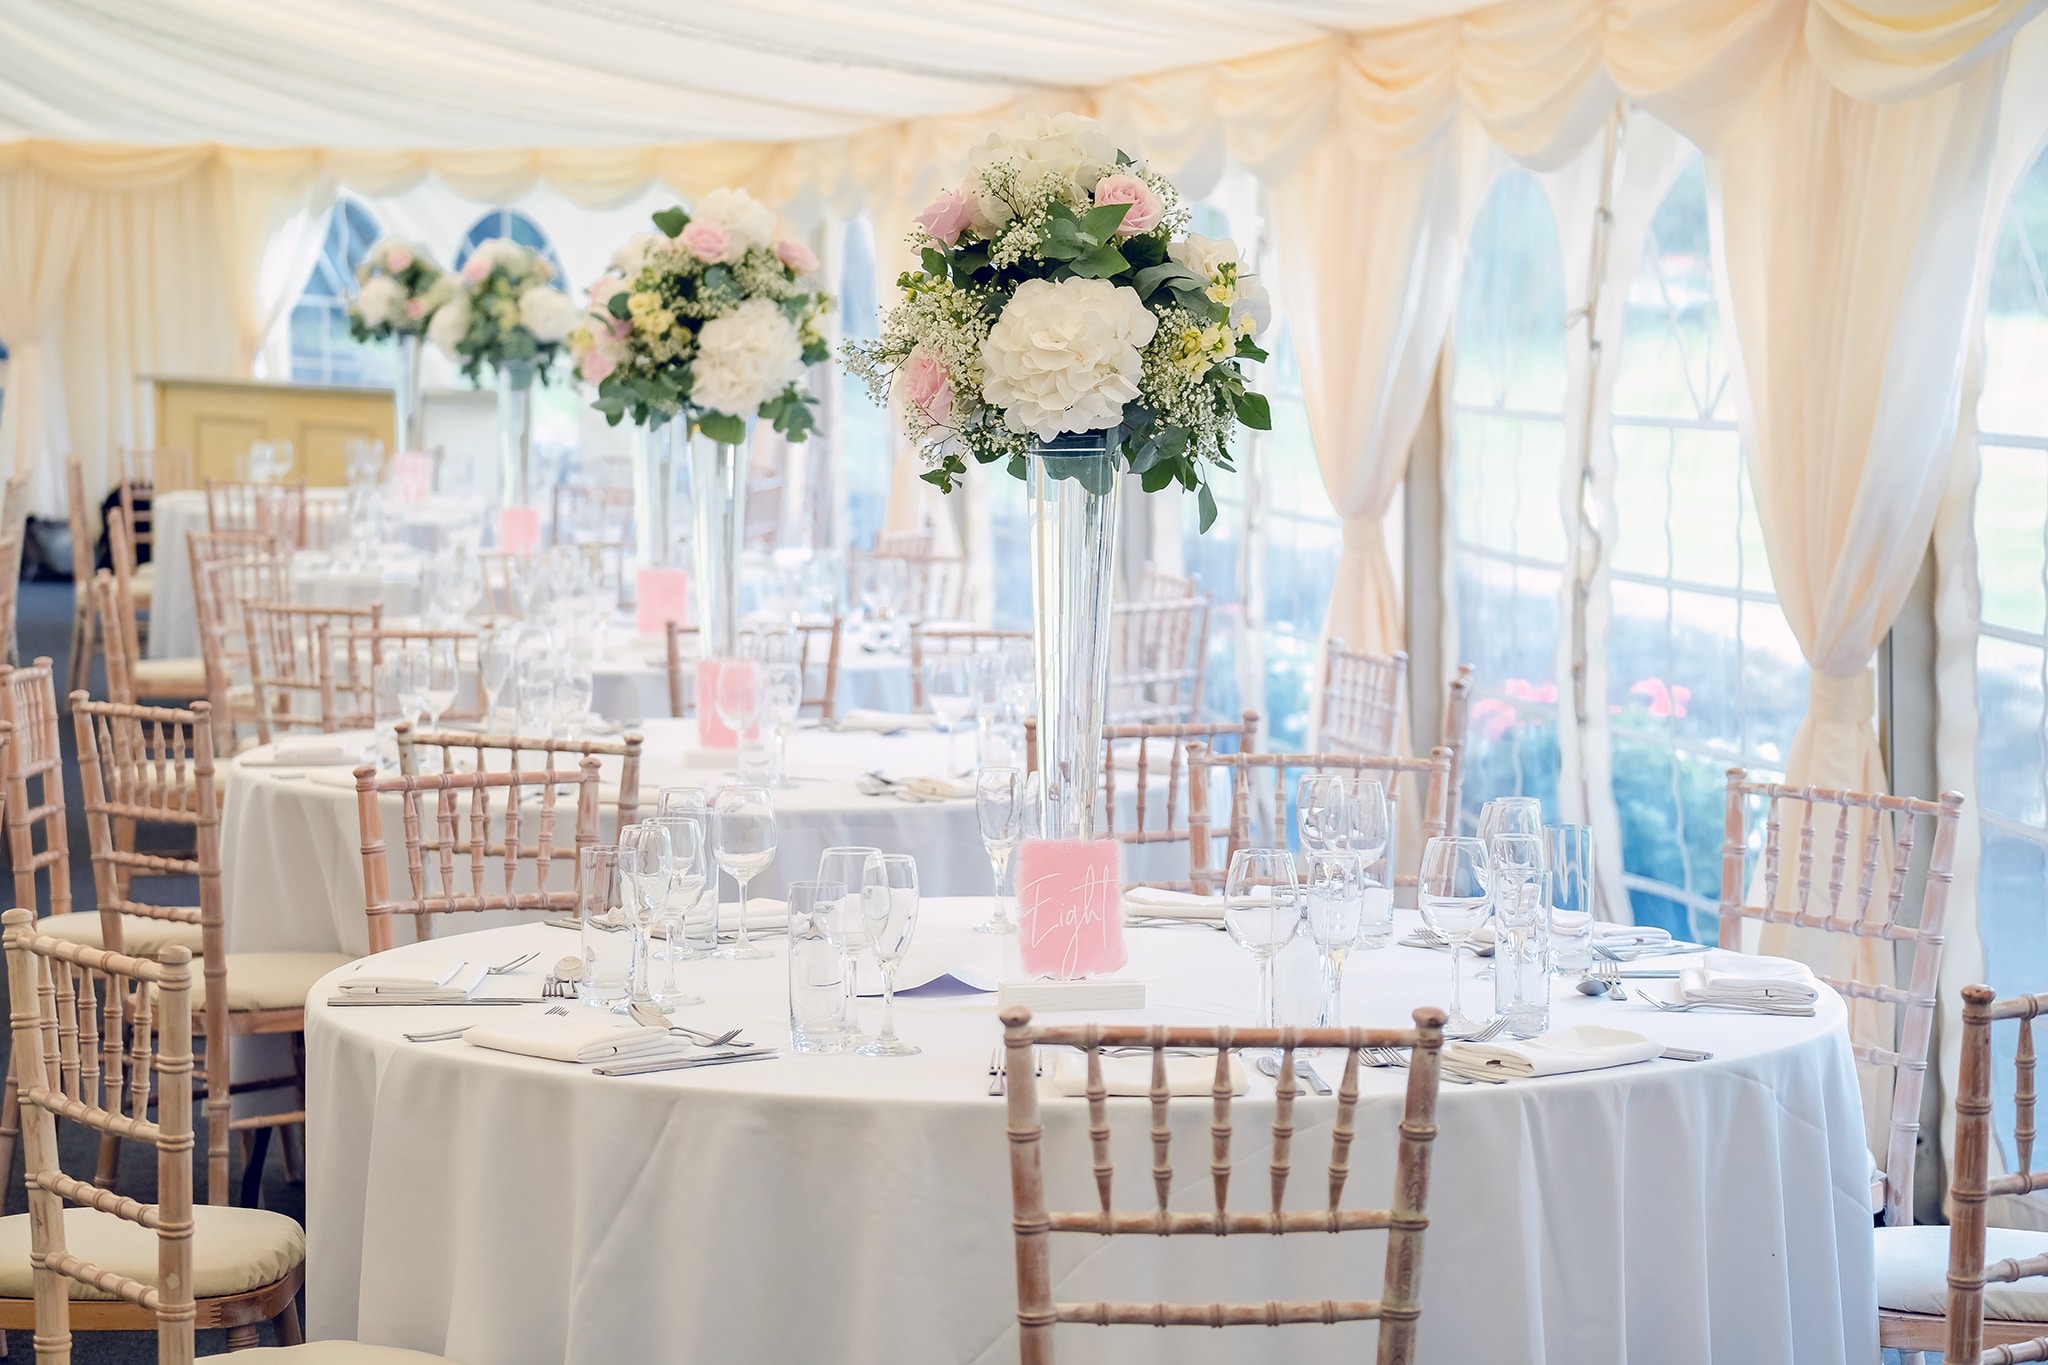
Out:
{"x": 1362, "y": 534}
{"x": 1836, "y": 700}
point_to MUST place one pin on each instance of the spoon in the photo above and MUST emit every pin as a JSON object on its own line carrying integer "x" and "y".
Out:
{"x": 1593, "y": 985}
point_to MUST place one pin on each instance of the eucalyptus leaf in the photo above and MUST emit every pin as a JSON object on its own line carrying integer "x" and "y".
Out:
{"x": 1102, "y": 221}
{"x": 671, "y": 221}
{"x": 1206, "y": 501}
{"x": 1254, "y": 411}
{"x": 723, "y": 428}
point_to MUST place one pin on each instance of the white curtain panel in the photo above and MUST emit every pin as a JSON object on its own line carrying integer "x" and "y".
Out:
{"x": 40, "y": 224}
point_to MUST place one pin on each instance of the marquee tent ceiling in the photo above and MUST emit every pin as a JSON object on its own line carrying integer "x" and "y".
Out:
{"x": 462, "y": 74}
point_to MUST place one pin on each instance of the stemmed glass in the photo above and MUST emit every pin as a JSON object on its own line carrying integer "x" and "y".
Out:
{"x": 999, "y": 806}
{"x": 646, "y": 864}
{"x": 739, "y": 708}
{"x": 847, "y": 865}
{"x": 1336, "y": 905}
{"x": 683, "y": 801}
{"x": 443, "y": 679}
{"x": 412, "y": 684}
{"x": 685, "y": 888}
{"x": 495, "y": 650}
{"x": 782, "y": 693}
{"x": 1262, "y": 911}
{"x": 1370, "y": 820}
{"x": 1322, "y": 812}
{"x": 949, "y": 687}
{"x": 888, "y": 903}
{"x": 575, "y": 687}
{"x": 1451, "y": 893}
{"x": 743, "y": 831}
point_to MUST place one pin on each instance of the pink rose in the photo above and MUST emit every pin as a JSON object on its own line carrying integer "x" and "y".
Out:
{"x": 620, "y": 328}
{"x": 596, "y": 364}
{"x": 796, "y": 256}
{"x": 706, "y": 240}
{"x": 397, "y": 259}
{"x": 1147, "y": 208}
{"x": 476, "y": 268}
{"x": 415, "y": 308}
{"x": 947, "y": 217}
{"x": 927, "y": 386}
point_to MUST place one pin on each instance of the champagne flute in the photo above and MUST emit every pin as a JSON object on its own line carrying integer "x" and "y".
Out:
{"x": 1262, "y": 912}
{"x": 443, "y": 679}
{"x": 738, "y": 702}
{"x": 1452, "y": 895}
{"x": 1336, "y": 904}
{"x": 847, "y": 864}
{"x": 949, "y": 688}
{"x": 999, "y": 806}
{"x": 646, "y": 865}
{"x": 1322, "y": 812}
{"x": 685, "y": 889}
{"x": 1371, "y": 822}
{"x": 495, "y": 651}
{"x": 782, "y": 695}
{"x": 888, "y": 904}
{"x": 743, "y": 830}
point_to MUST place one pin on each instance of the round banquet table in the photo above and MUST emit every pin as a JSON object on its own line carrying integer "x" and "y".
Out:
{"x": 500, "y": 1208}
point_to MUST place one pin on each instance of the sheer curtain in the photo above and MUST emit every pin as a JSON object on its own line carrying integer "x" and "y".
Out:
{"x": 40, "y": 224}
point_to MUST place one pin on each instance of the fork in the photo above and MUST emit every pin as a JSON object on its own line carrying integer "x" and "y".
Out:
{"x": 448, "y": 1035}
{"x": 1487, "y": 1034}
{"x": 1393, "y": 1056}
{"x": 514, "y": 965}
{"x": 1610, "y": 972}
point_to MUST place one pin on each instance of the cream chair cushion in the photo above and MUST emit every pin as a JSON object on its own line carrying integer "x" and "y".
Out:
{"x": 233, "y": 1250}
{"x": 1912, "y": 1272}
{"x": 142, "y": 584}
{"x": 270, "y": 981}
{"x": 336, "y": 1353}
{"x": 183, "y": 678}
{"x": 140, "y": 934}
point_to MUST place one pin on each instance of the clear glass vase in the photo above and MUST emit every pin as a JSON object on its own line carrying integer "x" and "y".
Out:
{"x": 409, "y": 415}
{"x": 515, "y": 434}
{"x": 1071, "y": 494}
{"x": 657, "y": 542}
{"x": 718, "y": 494}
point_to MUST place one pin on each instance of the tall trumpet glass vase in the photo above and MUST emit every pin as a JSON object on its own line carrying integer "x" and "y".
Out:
{"x": 718, "y": 498}
{"x": 409, "y": 415}
{"x": 515, "y": 435}
{"x": 661, "y": 584}
{"x": 1071, "y": 494}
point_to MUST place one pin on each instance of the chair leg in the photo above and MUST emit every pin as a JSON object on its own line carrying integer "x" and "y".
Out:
{"x": 252, "y": 1173}
{"x": 81, "y": 639}
{"x": 10, "y": 1129}
{"x": 243, "y": 1338}
{"x": 286, "y": 1326}
{"x": 289, "y": 1134}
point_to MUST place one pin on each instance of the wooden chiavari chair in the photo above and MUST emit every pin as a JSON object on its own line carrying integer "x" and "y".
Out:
{"x": 113, "y": 1263}
{"x": 239, "y": 505}
{"x": 907, "y": 544}
{"x": 516, "y": 752}
{"x": 10, "y": 588}
{"x": 1432, "y": 775}
{"x": 85, "y": 611}
{"x": 176, "y": 679}
{"x": 1457, "y": 728}
{"x": 1398, "y": 1309}
{"x": 1361, "y": 711}
{"x": 931, "y": 641}
{"x": 28, "y": 704}
{"x": 817, "y": 651}
{"x": 1157, "y": 585}
{"x": 1887, "y": 827}
{"x": 1158, "y": 652}
{"x": 292, "y": 667}
{"x": 450, "y": 849}
{"x": 389, "y": 642}
{"x": 500, "y": 574}
{"x": 146, "y": 474}
{"x": 228, "y": 569}
{"x": 15, "y": 528}
{"x": 1934, "y": 1290}
{"x": 933, "y": 586}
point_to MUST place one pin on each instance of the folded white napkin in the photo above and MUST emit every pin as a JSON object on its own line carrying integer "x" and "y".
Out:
{"x": 1625, "y": 935}
{"x": 427, "y": 979}
{"x": 1132, "y": 1075}
{"x": 859, "y": 719}
{"x": 1769, "y": 985}
{"x": 581, "y": 1037}
{"x": 316, "y": 751}
{"x": 937, "y": 788}
{"x": 1588, "y": 1047}
{"x": 1153, "y": 902}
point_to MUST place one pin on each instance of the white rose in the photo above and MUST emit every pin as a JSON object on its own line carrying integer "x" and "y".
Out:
{"x": 450, "y": 324}
{"x": 380, "y": 301}
{"x": 746, "y": 358}
{"x": 548, "y": 313}
{"x": 1206, "y": 256}
{"x": 1066, "y": 356}
{"x": 630, "y": 259}
{"x": 1067, "y": 146}
{"x": 746, "y": 220}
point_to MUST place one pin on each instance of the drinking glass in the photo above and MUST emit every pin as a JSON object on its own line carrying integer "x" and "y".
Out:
{"x": 888, "y": 904}
{"x": 387, "y": 689}
{"x": 1262, "y": 911}
{"x": 739, "y": 708}
{"x": 782, "y": 693}
{"x": 677, "y": 913}
{"x": 1511, "y": 815}
{"x": 1371, "y": 821}
{"x": 949, "y": 688}
{"x": 683, "y": 801}
{"x": 1336, "y": 904}
{"x": 817, "y": 969}
{"x": 1322, "y": 812}
{"x": 534, "y": 695}
{"x": 743, "y": 835}
{"x": 1452, "y": 893}
{"x": 1568, "y": 856}
{"x": 495, "y": 651}
{"x": 646, "y": 864}
{"x": 999, "y": 806}
{"x": 847, "y": 864}
{"x": 607, "y": 979}
{"x": 575, "y": 686}
{"x": 412, "y": 684}
{"x": 442, "y": 680}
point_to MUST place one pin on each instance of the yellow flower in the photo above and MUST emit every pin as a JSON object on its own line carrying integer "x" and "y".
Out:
{"x": 642, "y": 303}
{"x": 656, "y": 323}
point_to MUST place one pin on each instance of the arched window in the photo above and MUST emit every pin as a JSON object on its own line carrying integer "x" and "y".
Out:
{"x": 1508, "y": 461}
{"x": 512, "y": 224}
{"x": 1702, "y": 671}
{"x": 323, "y": 352}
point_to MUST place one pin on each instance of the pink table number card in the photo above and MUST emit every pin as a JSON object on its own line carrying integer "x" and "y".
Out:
{"x": 518, "y": 529}
{"x": 1070, "y": 920}
{"x": 412, "y": 476}
{"x": 660, "y": 596}
{"x": 712, "y": 731}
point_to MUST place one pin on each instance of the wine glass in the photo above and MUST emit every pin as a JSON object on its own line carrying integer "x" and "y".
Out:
{"x": 575, "y": 686}
{"x": 738, "y": 701}
{"x": 1510, "y": 815}
{"x": 743, "y": 834}
{"x": 412, "y": 683}
{"x": 888, "y": 904}
{"x": 846, "y": 864}
{"x": 646, "y": 865}
{"x": 443, "y": 679}
{"x": 685, "y": 889}
{"x": 1322, "y": 812}
{"x": 1262, "y": 912}
{"x": 1451, "y": 893}
{"x": 949, "y": 688}
{"x": 1336, "y": 905}
{"x": 683, "y": 801}
{"x": 1371, "y": 821}
{"x": 782, "y": 694}
{"x": 999, "y": 806}
{"x": 495, "y": 651}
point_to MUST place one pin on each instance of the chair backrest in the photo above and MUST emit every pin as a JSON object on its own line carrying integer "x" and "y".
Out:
{"x": 933, "y": 586}
{"x": 1158, "y": 652}
{"x": 28, "y": 704}
{"x": 80, "y": 513}
{"x": 14, "y": 526}
{"x": 10, "y": 585}
{"x": 222, "y": 580}
{"x": 450, "y": 849}
{"x": 73, "y": 1008}
{"x": 930, "y": 641}
{"x": 153, "y": 766}
{"x": 121, "y": 552}
{"x": 1361, "y": 711}
{"x": 293, "y": 671}
{"x": 533, "y": 756}
{"x": 1157, "y": 585}
{"x": 500, "y": 574}
{"x": 907, "y": 544}
{"x": 1398, "y": 1308}
{"x": 1887, "y": 829}
{"x": 817, "y": 648}
{"x": 146, "y": 475}
{"x": 1432, "y": 777}
{"x": 1457, "y": 726}
{"x": 1971, "y": 1182}
{"x": 359, "y": 656}
{"x": 239, "y": 505}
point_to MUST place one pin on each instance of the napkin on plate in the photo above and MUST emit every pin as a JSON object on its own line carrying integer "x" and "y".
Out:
{"x": 598, "y": 1038}
{"x": 1629, "y": 935}
{"x": 1765, "y": 985}
{"x": 1588, "y": 1047}
{"x": 1153, "y": 902}
{"x": 860, "y": 719}
{"x": 1132, "y": 1075}
{"x": 314, "y": 751}
{"x": 429, "y": 979}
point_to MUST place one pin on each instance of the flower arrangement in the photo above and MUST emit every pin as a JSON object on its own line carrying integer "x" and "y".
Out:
{"x": 710, "y": 319}
{"x": 399, "y": 286}
{"x": 505, "y": 311}
{"x": 1059, "y": 291}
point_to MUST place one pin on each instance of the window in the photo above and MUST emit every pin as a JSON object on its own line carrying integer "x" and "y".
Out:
{"x": 1508, "y": 534}
{"x": 2012, "y": 642}
{"x": 864, "y": 443}
{"x": 1302, "y": 542}
{"x": 323, "y": 352}
{"x": 509, "y": 223}
{"x": 1703, "y": 672}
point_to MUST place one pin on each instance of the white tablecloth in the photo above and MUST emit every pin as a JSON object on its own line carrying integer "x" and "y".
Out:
{"x": 500, "y": 1209}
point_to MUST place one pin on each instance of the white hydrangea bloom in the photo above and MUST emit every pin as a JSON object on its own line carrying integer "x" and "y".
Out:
{"x": 548, "y": 313}
{"x": 381, "y": 301}
{"x": 1066, "y": 356}
{"x": 450, "y": 324}
{"x": 746, "y": 358}
{"x": 746, "y": 220}
{"x": 1063, "y": 147}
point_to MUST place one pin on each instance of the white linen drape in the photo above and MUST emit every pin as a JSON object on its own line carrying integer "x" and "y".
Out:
{"x": 40, "y": 223}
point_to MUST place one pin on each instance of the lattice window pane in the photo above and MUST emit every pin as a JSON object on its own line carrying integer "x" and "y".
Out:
{"x": 322, "y": 350}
